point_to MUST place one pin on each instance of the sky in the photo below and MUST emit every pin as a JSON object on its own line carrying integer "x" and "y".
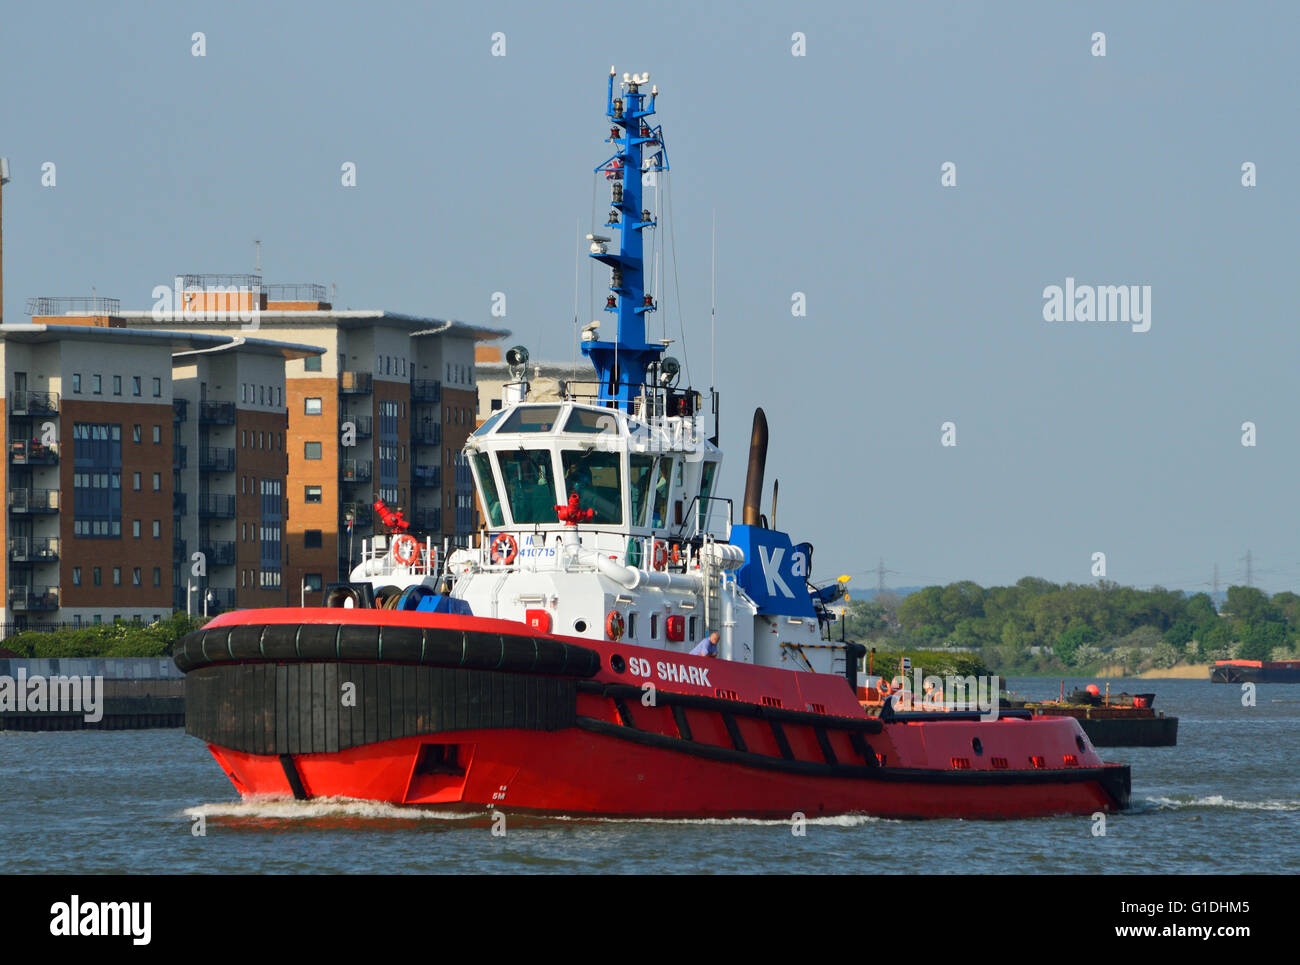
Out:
{"x": 815, "y": 134}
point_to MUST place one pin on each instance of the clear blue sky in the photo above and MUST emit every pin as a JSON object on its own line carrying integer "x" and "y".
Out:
{"x": 924, "y": 302}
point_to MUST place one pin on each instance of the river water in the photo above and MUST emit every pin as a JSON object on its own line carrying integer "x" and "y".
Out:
{"x": 1225, "y": 800}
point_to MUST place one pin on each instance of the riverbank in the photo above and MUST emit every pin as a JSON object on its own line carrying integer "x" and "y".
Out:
{"x": 1190, "y": 671}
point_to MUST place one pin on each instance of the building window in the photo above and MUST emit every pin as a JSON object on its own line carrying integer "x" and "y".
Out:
{"x": 243, "y": 391}
{"x": 117, "y": 576}
{"x": 76, "y": 382}
{"x": 311, "y": 406}
{"x": 312, "y": 582}
{"x": 97, "y": 576}
{"x": 135, "y": 576}
{"x": 311, "y": 539}
{"x": 311, "y": 494}
{"x": 76, "y": 576}
{"x": 135, "y": 528}
{"x": 157, "y": 482}
{"x": 261, "y": 395}
{"x": 157, "y": 529}
{"x": 135, "y": 433}
{"x": 311, "y": 450}
{"x": 243, "y": 438}
{"x": 117, "y": 385}
{"x": 135, "y": 481}
{"x": 311, "y": 363}
{"x": 157, "y": 388}
{"x": 135, "y": 385}
{"x": 97, "y": 384}
{"x": 157, "y": 434}
{"x": 157, "y": 580}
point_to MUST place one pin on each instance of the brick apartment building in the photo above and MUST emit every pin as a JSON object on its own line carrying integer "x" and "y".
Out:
{"x": 382, "y": 412}
{"x": 126, "y": 452}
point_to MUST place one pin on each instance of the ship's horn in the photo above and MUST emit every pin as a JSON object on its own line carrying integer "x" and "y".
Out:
{"x": 757, "y": 463}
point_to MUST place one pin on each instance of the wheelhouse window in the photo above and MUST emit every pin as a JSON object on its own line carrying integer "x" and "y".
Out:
{"x": 531, "y": 418}
{"x": 596, "y": 478}
{"x": 588, "y": 420}
{"x": 706, "y": 489}
{"x": 641, "y": 472}
{"x": 659, "y": 513}
{"x": 492, "y": 420}
{"x": 530, "y": 486}
{"x": 487, "y": 487}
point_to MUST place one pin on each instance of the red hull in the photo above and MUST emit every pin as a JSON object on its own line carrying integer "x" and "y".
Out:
{"x": 710, "y": 739}
{"x": 576, "y": 773}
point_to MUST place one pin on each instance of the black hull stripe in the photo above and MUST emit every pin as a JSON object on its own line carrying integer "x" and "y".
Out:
{"x": 898, "y": 775}
{"x": 738, "y": 708}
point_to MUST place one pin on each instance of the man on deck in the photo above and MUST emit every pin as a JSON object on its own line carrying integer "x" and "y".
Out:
{"x": 708, "y": 647}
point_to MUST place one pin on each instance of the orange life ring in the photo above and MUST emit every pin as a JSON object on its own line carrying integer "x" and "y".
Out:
{"x": 661, "y": 556}
{"x": 405, "y": 549}
{"x": 614, "y": 625}
{"x": 503, "y": 549}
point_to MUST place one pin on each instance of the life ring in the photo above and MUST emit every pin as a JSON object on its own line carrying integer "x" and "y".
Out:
{"x": 405, "y": 549}
{"x": 661, "y": 556}
{"x": 614, "y": 625}
{"x": 503, "y": 549}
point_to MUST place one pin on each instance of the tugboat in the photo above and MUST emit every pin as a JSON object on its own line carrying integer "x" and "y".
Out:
{"x": 613, "y": 643}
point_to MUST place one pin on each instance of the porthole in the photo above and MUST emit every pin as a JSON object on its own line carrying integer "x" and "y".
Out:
{"x": 580, "y": 626}
{"x": 617, "y": 664}
{"x": 977, "y": 745}
{"x": 1078, "y": 739}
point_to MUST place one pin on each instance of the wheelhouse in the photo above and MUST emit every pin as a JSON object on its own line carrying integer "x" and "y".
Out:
{"x": 639, "y": 478}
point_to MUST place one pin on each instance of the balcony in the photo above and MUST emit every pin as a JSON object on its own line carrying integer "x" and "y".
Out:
{"x": 216, "y": 413}
{"x": 33, "y": 454}
{"x": 427, "y": 520}
{"x": 426, "y": 433}
{"x": 34, "y": 403}
{"x": 179, "y": 504}
{"x": 362, "y": 517}
{"x": 180, "y": 457}
{"x": 219, "y": 552}
{"x": 426, "y": 477}
{"x": 216, "y": 506}
{"x": 179, "y": 553}
{"x": 180, "y": 410}
{"x": 426, "y": 390}
{"x": 354, "y": 471}
{"x": 33, "y": 501}
{"x": 217, "y": 459}
{"x": 354, "y": 383}
{"x": 40, "y": 549}
{"x": 29, "y": 598}
{"x": 219, "y": 599}
{"x": 364, "y": 424}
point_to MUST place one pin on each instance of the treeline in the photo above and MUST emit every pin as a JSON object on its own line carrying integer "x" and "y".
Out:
{"x": 105, "y": 639}
{"x": 1036, "y": 624}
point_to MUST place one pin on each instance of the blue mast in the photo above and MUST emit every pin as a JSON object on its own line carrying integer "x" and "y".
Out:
{"x": 621, "y": 364}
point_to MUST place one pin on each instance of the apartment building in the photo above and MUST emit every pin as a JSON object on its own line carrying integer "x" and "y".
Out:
{"x": 123, "y": 461}
{"x": 382, "y": 412}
